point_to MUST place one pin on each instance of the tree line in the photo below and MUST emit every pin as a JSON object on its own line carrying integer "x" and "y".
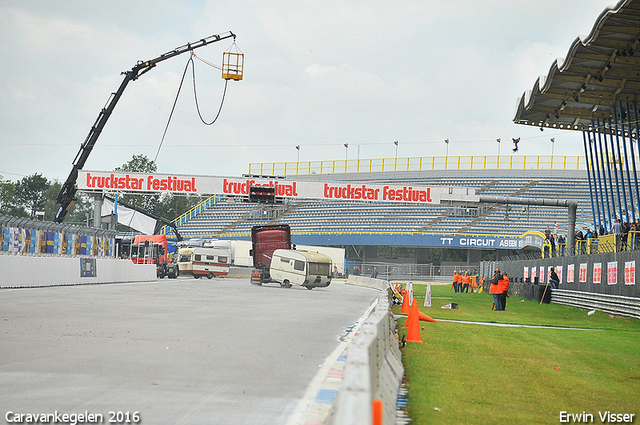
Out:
{"x": 34, "y": 195}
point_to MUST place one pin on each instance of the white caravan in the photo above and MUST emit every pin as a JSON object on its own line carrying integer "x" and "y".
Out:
{"x": 201, "y": 262}
{"x": 305, "y": 268}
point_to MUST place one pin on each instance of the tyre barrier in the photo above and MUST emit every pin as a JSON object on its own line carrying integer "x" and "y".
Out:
{"x": 373, "y": 367}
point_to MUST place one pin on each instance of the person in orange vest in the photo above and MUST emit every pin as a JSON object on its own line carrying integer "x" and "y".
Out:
{"x": 454, "y": 285}
{"x": 496, "y": 290}
{"x": 504, "y": 286}
{"x": 466, "y": 280}
{"x": 474, "y": 281}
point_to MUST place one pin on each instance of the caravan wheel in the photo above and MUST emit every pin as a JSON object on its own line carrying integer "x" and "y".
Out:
{"x": 210, "y": 275}
{"x": 286, "y": 284}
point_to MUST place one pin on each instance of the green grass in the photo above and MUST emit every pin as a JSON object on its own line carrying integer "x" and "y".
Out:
{"x": 475, "y": 374}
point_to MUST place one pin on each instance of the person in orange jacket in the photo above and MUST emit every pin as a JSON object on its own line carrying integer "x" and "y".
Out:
{"x": 504, "y": 286}
{"x": 454, "y": 285}
{"x": 495, "y": 288}
{"x": 466, "y": 280}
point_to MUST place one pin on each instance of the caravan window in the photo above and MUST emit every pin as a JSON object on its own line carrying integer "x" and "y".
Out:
{"x": 323, "y": 269}
{"x": 299, "y": 265}
{"x": 210, "y": 257}
{"x": 285, "y": 259}
{"x": 196, "y": 257}
{"x": 222, "y": 260}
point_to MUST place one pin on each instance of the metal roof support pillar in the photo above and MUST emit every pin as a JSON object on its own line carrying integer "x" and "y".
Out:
{"x": 635, "y": 119}
{"x": 588, "y": 154}
{"x": 611, "y": 209}
{"x": 614, "y": 166}
{"x": 628, "y": 159}
{"x": 624, "y": 210}
{"x": 571, "y": 227}
{"x": 604, "y": 194}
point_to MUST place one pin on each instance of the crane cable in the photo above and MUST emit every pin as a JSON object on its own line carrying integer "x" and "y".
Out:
{"x": 190, "y": 62}
{"x": 195, "y": 94}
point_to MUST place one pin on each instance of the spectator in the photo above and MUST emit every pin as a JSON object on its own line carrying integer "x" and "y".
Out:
{"x": 504, "y": 287}
{"x": 626, "y": 227}
{"x": 546, "y": 248}
{"x": 562, "y": 243}
{"x": 616, "y": 229}
{"x": 553, "y": 279}
{"x": 466, "y": 280}
{"x": 496, "y": 290}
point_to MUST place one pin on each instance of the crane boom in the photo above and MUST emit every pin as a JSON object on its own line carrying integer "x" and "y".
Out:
{"x": 66, "y": 196}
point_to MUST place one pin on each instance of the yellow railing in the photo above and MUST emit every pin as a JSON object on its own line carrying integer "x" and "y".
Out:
{"x": 488, "y": 162}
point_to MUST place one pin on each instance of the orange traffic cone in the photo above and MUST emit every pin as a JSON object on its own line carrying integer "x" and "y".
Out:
{"x": 405, "y": 303}
{"x": 410, "y": 313}
{"x": 413, "y": 334}
{"x": 426, "y": 318}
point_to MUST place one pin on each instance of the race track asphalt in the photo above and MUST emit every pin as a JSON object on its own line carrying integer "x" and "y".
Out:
{"x": 181, "y": 351}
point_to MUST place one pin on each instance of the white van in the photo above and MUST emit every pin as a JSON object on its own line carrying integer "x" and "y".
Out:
{"x": 201, "y": 262}
{"x": 293, "y": 267}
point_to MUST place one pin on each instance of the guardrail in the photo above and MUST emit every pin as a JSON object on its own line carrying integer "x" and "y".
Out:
{"x": 373, "y": 369}
{"x": 612, "y": 304}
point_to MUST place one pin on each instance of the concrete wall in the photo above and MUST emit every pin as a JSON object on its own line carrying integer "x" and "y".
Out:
{"x": 31, "y": 271}
{"x": 373, "y": 369}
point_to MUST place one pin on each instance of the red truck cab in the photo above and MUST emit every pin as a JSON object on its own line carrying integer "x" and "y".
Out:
{"x": 265, "y": 240}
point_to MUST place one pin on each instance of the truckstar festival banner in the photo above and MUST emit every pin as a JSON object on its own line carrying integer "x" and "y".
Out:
{"x": 284, "y": 188}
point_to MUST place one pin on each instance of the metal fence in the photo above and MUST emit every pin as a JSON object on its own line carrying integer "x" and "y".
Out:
{"x": 409, "y": 271}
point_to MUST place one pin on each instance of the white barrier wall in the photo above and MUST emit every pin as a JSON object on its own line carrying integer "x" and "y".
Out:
{"x": 373, "y": 369}
{"x": 31, "y": 271}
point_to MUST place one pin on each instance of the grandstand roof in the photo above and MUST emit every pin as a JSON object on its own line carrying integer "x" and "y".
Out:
{"x": 600, "y": 70}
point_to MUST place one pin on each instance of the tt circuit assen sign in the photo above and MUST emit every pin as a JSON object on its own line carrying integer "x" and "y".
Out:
{"x": 284, "y": 188}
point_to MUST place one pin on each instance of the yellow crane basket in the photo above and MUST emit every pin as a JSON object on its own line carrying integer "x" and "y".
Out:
{"x": 232, "y": 65}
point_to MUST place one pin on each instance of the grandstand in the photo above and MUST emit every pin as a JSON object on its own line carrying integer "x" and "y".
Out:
{"x": 231, "y": 217}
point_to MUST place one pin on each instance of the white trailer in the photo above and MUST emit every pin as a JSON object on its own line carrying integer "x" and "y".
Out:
{"x": 305, "y": 268}
{"x": 201, "y": 262}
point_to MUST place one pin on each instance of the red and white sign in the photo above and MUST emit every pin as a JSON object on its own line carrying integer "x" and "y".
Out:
{"x": 541, "y": 274}
{"x": 630, "y": 272}
{"x": 583, "y": 273}
{"x": 559, "y": 273}
{"x": 597, "y": 272}
{"x": 526, "y": 273}
{"x": 570, "y": 273}
{"x": 285, "y": 188}
{"x": 612, "y": 272}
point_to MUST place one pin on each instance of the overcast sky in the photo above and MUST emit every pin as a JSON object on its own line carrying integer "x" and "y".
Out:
{"x": 318, "y": 74}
